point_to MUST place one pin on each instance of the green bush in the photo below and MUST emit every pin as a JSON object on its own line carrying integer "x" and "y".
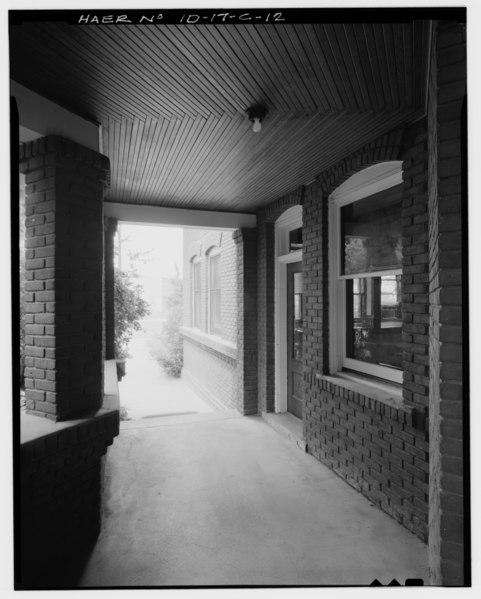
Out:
{"x": 130, "y": 308}
{"x": 170, "y": 353}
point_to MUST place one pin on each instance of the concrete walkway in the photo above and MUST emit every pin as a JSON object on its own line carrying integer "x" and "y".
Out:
{"x": 146, "y": 391}
{"x": 221, "y": 499}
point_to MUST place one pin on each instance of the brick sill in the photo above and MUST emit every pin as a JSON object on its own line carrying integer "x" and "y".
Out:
{"x": 382, "y": 398}
{"x": 33, "y": 427}
{"x": 212, "y": 342}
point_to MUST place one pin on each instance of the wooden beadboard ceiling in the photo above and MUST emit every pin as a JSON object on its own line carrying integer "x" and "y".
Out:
{"x": 171, "y": 100}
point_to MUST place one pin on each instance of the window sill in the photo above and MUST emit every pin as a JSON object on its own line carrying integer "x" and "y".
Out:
{"x": 212, "y": 342}
{"x": 383, "y": 398}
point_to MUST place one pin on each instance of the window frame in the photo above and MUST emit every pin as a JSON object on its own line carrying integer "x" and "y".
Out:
{"x": 213, "y": 252}
{"x": 368, "y": 182}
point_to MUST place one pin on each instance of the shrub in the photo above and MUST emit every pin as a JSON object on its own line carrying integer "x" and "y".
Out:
{"x": 171, "y": 351}
{"x": 130, "y": 308}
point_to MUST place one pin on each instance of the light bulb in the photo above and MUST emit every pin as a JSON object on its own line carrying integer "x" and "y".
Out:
{"x": 256, "y": 127}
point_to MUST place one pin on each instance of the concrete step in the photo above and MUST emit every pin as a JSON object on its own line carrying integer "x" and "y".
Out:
{"x": 288, "y": 426}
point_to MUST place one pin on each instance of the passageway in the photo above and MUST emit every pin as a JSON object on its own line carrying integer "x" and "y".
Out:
{"x": 219, "y": 499}
{"x": 147, "y": 391}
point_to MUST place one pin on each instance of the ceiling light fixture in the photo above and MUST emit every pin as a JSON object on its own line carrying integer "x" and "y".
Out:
{"x": 256, "y": 114}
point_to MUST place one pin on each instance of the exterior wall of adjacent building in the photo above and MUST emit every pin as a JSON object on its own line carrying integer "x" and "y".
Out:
{"x": 210, "y": 359}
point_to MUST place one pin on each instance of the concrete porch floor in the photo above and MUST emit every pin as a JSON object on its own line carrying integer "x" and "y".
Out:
{"x": 220, "y": 499}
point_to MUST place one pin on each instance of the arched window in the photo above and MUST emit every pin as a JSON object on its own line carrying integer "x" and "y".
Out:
{"x": 366, "y": 267}
{"x": 214, "y": 292}
{"x": 196, "y": 292}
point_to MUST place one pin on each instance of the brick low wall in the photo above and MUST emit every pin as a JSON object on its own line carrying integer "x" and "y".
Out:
{"x": 374, "y": 443}
{"x": 60, "y": 498}
{"x": 219, "y": 387}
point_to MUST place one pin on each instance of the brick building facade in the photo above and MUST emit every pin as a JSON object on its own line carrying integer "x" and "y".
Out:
{"x": 210, "y": 349}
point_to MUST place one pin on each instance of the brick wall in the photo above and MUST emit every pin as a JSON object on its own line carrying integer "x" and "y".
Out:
{"x": 377, "y": 447}
{"x": 210, "y": 367}
{"x": 246, "y": 267}
{"x": 59, "y": 466}
{"x": 315, "y": 261}
{"x": 447, "y": 291}
{"x": 196, "y": 243}
{"x": 380, "y": 448}
{"x": 265, "y": 315}
{"x": 372, "y": 444}
{"x": 415, "y": 276}
{"x": 212, "y": 374}
{"x": 63, "y": 289}
{"x": 59, "y": 509}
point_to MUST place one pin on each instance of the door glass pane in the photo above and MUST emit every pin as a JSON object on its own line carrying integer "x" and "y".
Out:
{"x": 298, "y": 328}
{"x": 374, "y": 320}
{"x": 371, "y": 233}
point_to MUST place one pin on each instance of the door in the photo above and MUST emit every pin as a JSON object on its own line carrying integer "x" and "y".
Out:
{"x": 294, "y": 339}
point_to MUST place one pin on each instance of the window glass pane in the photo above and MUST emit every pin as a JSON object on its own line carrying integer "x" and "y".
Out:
{"x": 295, "y": 240}
{"x": 215, "y": 323}
{"x": 214, "y": 262}
{"x": 298, "y": 328}
{"x": 374, "y": 321}
{"x": 196, "y": 276}
{"x": 214, "y": 295}
{"x": 371, "y": 233}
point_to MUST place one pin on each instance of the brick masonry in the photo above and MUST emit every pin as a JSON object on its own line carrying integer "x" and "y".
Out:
{"x": 372, "y": 445}
{"x": 381, "y": 450}
{"x": 212, "y": 372}
{"x": 246, "y": 268}
{"x": 59, "y": 509}
{"x": 59, "y": 481}
{"x": 65, "y": 184}
{"x": 197, "y": 244}
{"x": 447, "y": 395}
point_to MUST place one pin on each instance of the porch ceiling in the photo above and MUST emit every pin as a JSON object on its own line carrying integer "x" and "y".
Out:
{"x": 171, "y": 100}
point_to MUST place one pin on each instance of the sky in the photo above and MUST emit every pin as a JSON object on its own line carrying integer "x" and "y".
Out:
{"x": 160, "y": 250}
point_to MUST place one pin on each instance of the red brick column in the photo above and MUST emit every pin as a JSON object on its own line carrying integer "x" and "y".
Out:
{"x": 246, "y": 247}
{"x": 265, "y": 315}
{"x": 110, "y": 228}
{"x": 65, "y": 185}
{"x": 448, "y": 397}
